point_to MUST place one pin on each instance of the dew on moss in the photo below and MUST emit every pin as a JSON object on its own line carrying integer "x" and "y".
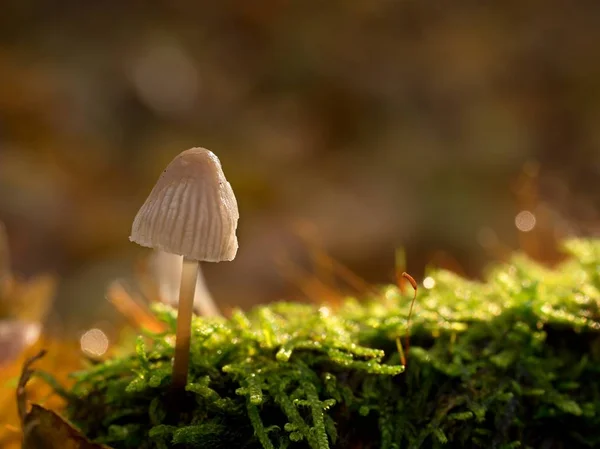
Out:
{"x": 511, "y": 360}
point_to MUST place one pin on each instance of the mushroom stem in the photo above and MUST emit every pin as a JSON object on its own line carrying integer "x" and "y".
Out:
{"x": 189, "y": 276}
{"x": 166, "y": 268}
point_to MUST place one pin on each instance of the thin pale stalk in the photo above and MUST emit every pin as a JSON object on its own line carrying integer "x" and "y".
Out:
{"x": 189, "y": 276}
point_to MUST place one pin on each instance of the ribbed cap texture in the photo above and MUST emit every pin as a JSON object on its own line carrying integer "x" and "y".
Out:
{"x": 191, "y": 210}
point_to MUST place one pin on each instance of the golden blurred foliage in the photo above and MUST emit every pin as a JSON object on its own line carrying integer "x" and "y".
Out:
{"x": 63, "y": 358}
{"x": 347, "y": 130}
{"x": 387, "y": 124}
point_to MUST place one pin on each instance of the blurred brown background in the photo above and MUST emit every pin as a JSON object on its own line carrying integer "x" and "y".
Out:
{"x": 380, "y": 123}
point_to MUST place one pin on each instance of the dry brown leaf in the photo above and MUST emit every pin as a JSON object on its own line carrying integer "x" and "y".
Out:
{"x": 43, "y": 428}
{"x": 65, "y": 358}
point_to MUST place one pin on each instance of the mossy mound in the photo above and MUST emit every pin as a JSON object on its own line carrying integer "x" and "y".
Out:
{"x": 511, "y": 362}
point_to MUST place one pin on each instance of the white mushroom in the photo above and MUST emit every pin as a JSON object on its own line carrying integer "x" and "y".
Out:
{"x": 192, "y": 212}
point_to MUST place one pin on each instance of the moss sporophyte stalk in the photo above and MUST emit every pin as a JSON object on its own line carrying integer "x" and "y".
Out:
{"x": 510, "y": 362}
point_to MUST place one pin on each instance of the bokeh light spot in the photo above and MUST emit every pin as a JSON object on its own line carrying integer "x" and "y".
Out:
{"x": 324, "y": 311}
{"x": 428, "y": 282}
{"x": 525, "y": 221}
{"x": 94, "y": 342}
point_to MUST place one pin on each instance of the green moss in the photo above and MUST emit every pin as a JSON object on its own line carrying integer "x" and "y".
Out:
{"x": 512, "y": 362}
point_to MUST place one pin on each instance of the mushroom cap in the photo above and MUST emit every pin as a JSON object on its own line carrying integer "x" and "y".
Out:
{"x": 191, "y": 210}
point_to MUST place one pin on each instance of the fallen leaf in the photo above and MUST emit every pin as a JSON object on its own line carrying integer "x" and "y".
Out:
{"x": 43, "y": 428}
